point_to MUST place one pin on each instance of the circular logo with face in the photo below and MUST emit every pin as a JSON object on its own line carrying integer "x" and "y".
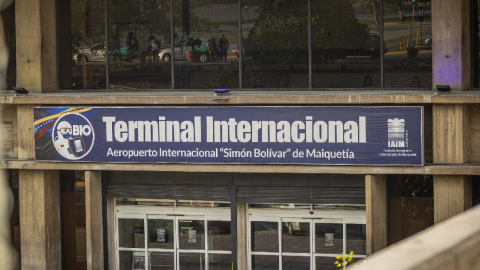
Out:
{"x": 73, "y": 136}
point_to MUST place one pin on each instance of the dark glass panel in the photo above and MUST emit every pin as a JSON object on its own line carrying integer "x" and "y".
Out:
{"x": 191, "y": 234}
{"x": 219, "y": 235}
{"x": 264, "y": 236}
{"x": 160, "y": 233}
{"x": 131, "y": 233}
{"x": 161, "y": 261}
{"x": 296, "y": 237}
{"x": 328, "y": 238}
{"x": 295, "y": 263}
{"x": 260, "y": 262}
{"x": 356, "y": 239}
{"x": 191, "y": 261}
{"x": 220, "y": 261}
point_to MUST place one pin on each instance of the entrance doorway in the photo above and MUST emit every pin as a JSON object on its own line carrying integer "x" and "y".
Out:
{"x": 172, "y": 239}
{"x": 304, "y": 240}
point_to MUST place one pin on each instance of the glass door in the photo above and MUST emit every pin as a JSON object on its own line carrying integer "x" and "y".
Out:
{"x": 173, "y": 242}
{"x": 303, "y": 243}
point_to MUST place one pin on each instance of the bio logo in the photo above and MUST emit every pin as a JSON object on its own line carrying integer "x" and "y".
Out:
{"x": 73, "y": 136}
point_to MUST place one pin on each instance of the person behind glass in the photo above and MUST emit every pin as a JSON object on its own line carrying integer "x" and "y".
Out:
{"x": 154, "y": 46}
{"x": 223, "y": 48}
{"x": 211, "y": 48}
{"x": 368, "y": 82}
{"x": 416, "y": 82}
{"x": 132, "y": 44}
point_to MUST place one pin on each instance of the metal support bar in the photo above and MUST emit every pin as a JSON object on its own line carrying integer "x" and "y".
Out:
{"x": 310, "y": 64}
{"x": 240, "y": 46}
{"x": 107, "y": 52}
{"x": 382, "y": 73}
{"x": 233, "y": 211}
{"x": 172, "y": 50}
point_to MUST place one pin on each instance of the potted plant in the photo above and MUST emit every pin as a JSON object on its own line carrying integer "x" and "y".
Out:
{"x": 193, "y": 55}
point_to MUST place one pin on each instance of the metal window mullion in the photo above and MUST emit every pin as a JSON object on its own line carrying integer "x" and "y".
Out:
{"x": 219, "y": 252}
{"x": 117, "y": 253}
{"x": 312, "y": 245}
{"x": 345, "y": 234}
{"x": 145, "y": 234}
{"x": 176, "y": 243}
{"x": 206, "y": 241}
{"x": 172, "y": 50}
{"x": 249, "y": 242}
{"x": 107, "y": 52}
{"x": 310, "y": 64}
{"x": 280, "y": 248}
{"x": 240, "y": 47}
{"x": 382, "y": 72}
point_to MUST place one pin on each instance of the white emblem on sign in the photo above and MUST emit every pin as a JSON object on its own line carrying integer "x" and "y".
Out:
{"x": 329, "y": 239}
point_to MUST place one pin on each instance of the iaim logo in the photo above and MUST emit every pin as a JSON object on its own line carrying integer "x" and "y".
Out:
{"x": 396, "y": 132}
{"x": 73, "y": 136}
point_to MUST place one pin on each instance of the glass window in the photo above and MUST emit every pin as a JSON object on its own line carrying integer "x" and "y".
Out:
{"x": 346, "y": 44}
{"x": 191, "y": 261}
{"x": 408, "y": 43}
{"x": 411, "y": 205}
{"x": 329, "y": 238}
{"x": 82, "y": 24}
{"x": 206, "y": 37}
{"x": 8, "y": 17}
{"x": 260, "y": 262}
{"x": 131, "y": 233}
{"x": 191, "y": 234}
{"x": 296, "y": 237}
{"x": 356, "y": 239}
{"x": 134, "y": 260}
{"x": 160, "y": 233}
{"x": 264, "y": 236}
{"x": 296, "y": 263}
{"x": 162, "y": 261}
{"x": 139, "y": 43}
{"x": 220, "y": 261}
{"x": 326, "y": 263}
{"x": 219, "y": 235}
{"x": 275, "y": 44}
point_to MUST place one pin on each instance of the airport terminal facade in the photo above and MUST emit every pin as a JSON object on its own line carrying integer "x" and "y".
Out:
{"x": 236, "y": 134}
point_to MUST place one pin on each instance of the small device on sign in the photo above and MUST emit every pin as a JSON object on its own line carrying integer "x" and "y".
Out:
{"x": 20, "y": 91}
{"x": 221, "y": 92}
{"x": 443, "y": 88}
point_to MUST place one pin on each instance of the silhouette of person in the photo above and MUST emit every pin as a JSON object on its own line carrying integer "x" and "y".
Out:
{"x": 367, "y": 81}
{"x": 416, "y": 82}
{"x": 223, "y": 47}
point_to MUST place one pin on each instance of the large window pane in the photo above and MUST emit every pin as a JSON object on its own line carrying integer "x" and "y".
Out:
{"x": 325, "y": 263}
{"x": 275, "y": 39}
{"x": 264, "y": 236}
{"x": 131, "y": 260}
{"x": 160, "y": 233}
{"x": 161, "y": 261}
{"x": 296, "y": 237}
{"x": 356, "y": 239}
{"x": 138, "y": 32}
{"x": 192, "y": 234}
{"x": 264, "y": 262}
{"x": 131, "y": 233}
{"x": 411, "y": 205}
{"x": 206, "y": 37}
{"x": 295, "y": 263}
{"x": 220, "y": 261}
{"x": 83, "y": 63}
{"x": 191, "y": 261}
{"x": 408, "y": 61}
{"x": 345, "y": 44}
{"x": 328, "y": 238}
{"x": 219, "y": 235}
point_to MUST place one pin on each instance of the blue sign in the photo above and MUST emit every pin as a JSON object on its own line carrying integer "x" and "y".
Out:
{"x": 421, "y": 14}
{"x": 232, "y": 135}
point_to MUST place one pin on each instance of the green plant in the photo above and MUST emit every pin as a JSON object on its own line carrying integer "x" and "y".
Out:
{"x": 193, "y": 42}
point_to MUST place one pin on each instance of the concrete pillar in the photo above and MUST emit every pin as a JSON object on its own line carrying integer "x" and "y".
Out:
{"x": 35, "y": 25}
{"x": 452, "y": 195}
{"x": 94, "y": 220}
{"x": 376, "y": 209}
{"x": 451, "y": 44}
{"x": 40, "y": 220}
{"x": 25, "y": 132}
{"x": 451, "y": 144}
{"x": 242, "y": 235}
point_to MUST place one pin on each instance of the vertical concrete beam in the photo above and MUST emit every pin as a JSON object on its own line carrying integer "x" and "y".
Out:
{"x": 376, "y": 210}
{"x": 25, "y": 133}
{"x": 94, "y": 220}
{"x": 35, "y": 24}
{"x": 451, "y": 133}
{"x": 242, "y": 235}
{"x": 40, "y": 235}
{"x": 452, "y": 195}
{"x": 451, "y": 43}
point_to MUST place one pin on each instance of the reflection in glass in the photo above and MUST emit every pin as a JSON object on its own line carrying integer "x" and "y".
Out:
{"x": 191, "y": 234}
{"x": 264, "y": 236}
{"x": 260, "y": 262}
{"x": 326, "y": 263}
{"x": 356, "y": 239}
{"x": 296, "y": 237}
{"x": 84, "y": 67}
{"x": 191, "y": 261}
{"x": 220, "y": 261}
{"x": 161, "y": 261}
{"x": 219, "y": 235}
{"x": 153, "y": 202}
{"x": 160, "y": 233}
{"x": 134, "y": 260}
{"x": 275, "y": 44}
{"x": 138, "y": 32}
{"x": 203, "y": 203}
{"x": 408, "y": 42}
{"x": 206, "y": 36}
{"x": 131, "y": 233}
{"x": 328, "y": 238}
{"x": 295, "y": 263}
{"x": 345, "y": 44}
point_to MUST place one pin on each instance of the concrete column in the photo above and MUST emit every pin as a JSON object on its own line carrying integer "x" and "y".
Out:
{"x": 452, "y": 195}
{"x": 242, "y": 235}
{"x": 94, "y": 220}
{"x": 451, "y": 43}
{"x": 40, "y": 220}
{"x": 35, "y": 25}
{"x": 25, "y": 132}
{"x": 376, "y": 209}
